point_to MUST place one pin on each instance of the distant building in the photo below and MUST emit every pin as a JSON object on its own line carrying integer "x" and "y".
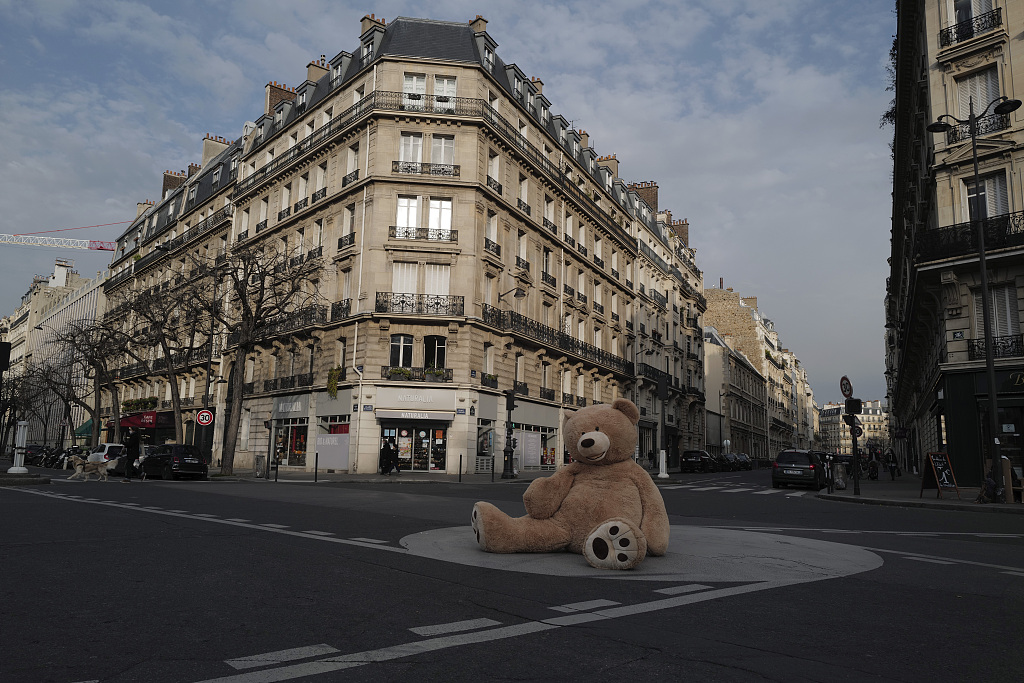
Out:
{"x": 736, "y": 413}
{"x": 837, "y": 438}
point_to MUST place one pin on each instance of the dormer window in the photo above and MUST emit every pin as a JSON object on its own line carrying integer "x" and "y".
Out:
{"x": 518, "y": 87}
{"x": 191, "y": 194}
{"x": 216, "y": 177}
{"x": 489, "y": 59}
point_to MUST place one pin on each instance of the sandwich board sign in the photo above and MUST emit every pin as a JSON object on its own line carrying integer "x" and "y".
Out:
{"x": 938, "y": 474}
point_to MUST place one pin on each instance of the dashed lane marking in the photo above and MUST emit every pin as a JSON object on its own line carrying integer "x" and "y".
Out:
{"x": 736, "y": 490}
{"x": 281, "y": 656}
{"x": 708, "y": 488}
{"x": 669, "y": 488}
{"x": 454, "y": 627}
{"x": 766, "y": 492}
{"x": 318, "y": 533}
{"x": 369, "y": 540}
{"x": 235, "y": 519}
{"x": 1014, "y": 573}
{"x": 679, "y": 590}
{"x": 928, "y": 559}
{"x": 275, "y": 526}
{"x": 205, "y": 514}
{"x": 796, "y": 494}
{"x": 584, "y": 606}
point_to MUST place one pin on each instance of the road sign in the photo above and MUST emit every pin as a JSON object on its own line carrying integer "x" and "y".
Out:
{"x": 857, "y": 432}
{"x": 846, "y": 387}
{"x": 204, "y": 418}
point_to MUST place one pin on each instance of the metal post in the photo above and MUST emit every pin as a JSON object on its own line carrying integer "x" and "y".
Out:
{"x": 990, "y": 369}
{"x": 856, "y": 462}
{"x": 507, "y": 472}
{"x": 209, "y": 369}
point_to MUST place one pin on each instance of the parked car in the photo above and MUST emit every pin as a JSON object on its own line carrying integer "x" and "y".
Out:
{"x": 732, "y": 461}
{"x": 711, "y": 463}
{"x": 798, "y": 467}
{"x": 744, "y": 462}
{"x": 692, "y": 461}
{"x": 172, "y": 460}
{"x": 105, "y": 451}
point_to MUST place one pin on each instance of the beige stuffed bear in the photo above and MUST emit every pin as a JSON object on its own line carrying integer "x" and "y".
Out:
{"x": 602, "y": 505}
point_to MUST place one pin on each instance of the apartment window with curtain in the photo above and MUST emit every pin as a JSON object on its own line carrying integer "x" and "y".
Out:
{"x": 442, "y": 149}
{"x": 437, "y": 279}
{"x": 492, "y": 165}
{"x": 440, "y": 217}
{"x": 353, "y": 158}
{"x": 989, "y": 199}
{"x": 444, "y": 93}
{"x": 981, "y": 86}
{"x": 407, "y": 219}
{"x": 492, "y": 227}
{"x": 1004, "y": 315}
{"x": 414, "y": 86}
{"x": 411, "y": 148}
{"x": 404, "y": 278}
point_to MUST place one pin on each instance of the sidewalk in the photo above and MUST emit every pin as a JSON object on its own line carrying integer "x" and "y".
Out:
{"x": 906, "y": 492}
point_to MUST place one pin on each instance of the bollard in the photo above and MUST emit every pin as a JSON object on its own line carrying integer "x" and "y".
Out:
{"x": 662, "y": 465}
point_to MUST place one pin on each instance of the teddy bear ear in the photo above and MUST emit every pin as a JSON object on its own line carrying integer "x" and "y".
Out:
{"x": 627, "y": 408}
{"x": 567, "y": 416}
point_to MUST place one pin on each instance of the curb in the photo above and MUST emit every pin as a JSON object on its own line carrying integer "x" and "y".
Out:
{"x": 23, "y": 480}
{"x": 959, "y": 506}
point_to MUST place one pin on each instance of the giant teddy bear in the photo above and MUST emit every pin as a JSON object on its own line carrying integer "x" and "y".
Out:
{"x": 602, "y": 505}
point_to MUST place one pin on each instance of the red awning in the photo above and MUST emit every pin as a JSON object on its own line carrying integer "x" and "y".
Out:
{"x": 147, "y": 419}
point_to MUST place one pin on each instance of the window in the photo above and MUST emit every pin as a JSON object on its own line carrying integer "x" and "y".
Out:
{"x": 321, "y": 176}
{"x": 303, "y": 185}
{"x": 408, "y": 212}
{"x": 965, "y": 10}
{"x": 442, "y": 149}
{"x": 991, "y": 198}
{"x": 981, "y": 86}
{"x": 353, "y": 158}
{"x": 440, "y": 214}
{"x": 434, "y": 351}
{"x": 403, "y": 277}
{"x": 328, "y": 114}
{"x": 436, "y": 279}
{"x": 401, "y": 350}
{"x": 489, "y": 58}
{"x": 522, "y": 188}
{"x": 216, "y": 177}
{"x": 492, "y": 226}
{"x": 1003, "y": 311}
{"x": 413, "y": 88}
{"x": 411, "y": 148}
{"x": 292, "y": 139}
{"x": 444, "y": 93}
{"x": 349, "y": 219}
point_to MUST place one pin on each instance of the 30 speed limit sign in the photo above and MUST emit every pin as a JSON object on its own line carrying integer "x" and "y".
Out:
{"x": 846, "y": 386}
{"x": 204, "y": 418}
{"x": 857, "y": 431}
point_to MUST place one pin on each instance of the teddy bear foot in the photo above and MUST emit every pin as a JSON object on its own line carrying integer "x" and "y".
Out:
{"x": 478, "y": 527}
{"x": 615, "y": 544}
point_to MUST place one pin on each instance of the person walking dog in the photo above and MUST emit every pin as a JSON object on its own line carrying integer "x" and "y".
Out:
{"x": 131, "y": 453}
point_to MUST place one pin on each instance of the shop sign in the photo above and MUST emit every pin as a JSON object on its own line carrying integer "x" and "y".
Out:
{"x": 415, "y": 415}
{"x": 394, "y": 398}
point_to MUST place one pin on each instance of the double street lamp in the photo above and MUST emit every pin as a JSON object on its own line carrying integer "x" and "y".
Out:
{"x": 1003, "y": 106}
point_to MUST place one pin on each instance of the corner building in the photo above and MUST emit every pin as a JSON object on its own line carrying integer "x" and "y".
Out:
{"x": 473, "y": 241}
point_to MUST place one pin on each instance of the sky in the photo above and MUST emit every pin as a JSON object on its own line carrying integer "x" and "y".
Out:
{"x": 758, "y": 119}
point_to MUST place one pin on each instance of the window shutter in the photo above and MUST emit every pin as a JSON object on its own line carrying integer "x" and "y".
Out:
{"x": 995, "y": 189}
{"x": 1005, "y": 316}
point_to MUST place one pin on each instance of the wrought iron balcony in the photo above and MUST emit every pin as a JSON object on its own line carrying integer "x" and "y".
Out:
{"x": 1011, "y": 346}
{"x": 581, "y": 401}
{"x": 986, "y": 124}
{"x": 354, "y": 176}
{"x": 582, "y": 249}
{"x": 966, "y": 30}
{"x": 403, "y": 374}
{"x": 569, "y": 239}
{"x": 521, "y": 388}
{"x": 659, "y": 298}
{"x": 522, "y": 263}
{"x": 493, "y": 184}
{"x": 599, "y": 308}
{"x": 961, "y": 239}
{"x": 615, "y": 274}
{"x": 643, "y": 328}
{"x": 629, "y": 284}
{"x": 295, "y": 261}
{"x": 301, "y": 204}
{"x": 418, "y": 168}
{"x": 304, "y": 380}
{"x": 550, "y": 226}
{"x": 547, "y": 394}
{"x": 492, "y": 246}
{"x": 629, "y": 324}
{"x": 431, "y": 234}
{"x": 615, "y": 317}
{"x": 261, "y": 226}
{"x": 568, "y": 290}
{"x": 318, "y": 195}
{"x": 286, "y": 382}
{"x": 346, "y": 240}
{"x": 549, "y": 279}
{"x": 341, "y": 309}
{"x": 314, "y": 253}
{"x": 489, "y": 380}
{"x": 242, "y": 236}
{"x": 284, "y": 213}
{"x": 568, "y": 399}
{"x": 422, "y": 304}
{"x": 523, "y": 206}
{"x": 270, "y": 384}
{"x": 598, "y": 261}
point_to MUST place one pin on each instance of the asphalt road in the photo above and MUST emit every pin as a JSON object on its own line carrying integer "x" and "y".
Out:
{"x": 257, "y": 581}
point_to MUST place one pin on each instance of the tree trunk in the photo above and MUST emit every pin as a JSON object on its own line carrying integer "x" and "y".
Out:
{"x": 227, "y": 461}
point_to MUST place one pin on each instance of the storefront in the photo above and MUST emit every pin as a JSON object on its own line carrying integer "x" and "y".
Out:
{"x": 289, "y": 435}
{"x": 418, "y": 420}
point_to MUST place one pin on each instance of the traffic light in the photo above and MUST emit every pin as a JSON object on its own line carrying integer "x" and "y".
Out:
{"x": 853, "y": 406}
{"x": 510, "y": 400}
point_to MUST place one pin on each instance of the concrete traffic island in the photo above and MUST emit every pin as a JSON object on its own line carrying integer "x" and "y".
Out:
{"x": 8, "y": 479}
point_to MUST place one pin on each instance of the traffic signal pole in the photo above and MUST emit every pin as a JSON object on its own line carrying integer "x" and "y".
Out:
{"x": 510, "y": 404}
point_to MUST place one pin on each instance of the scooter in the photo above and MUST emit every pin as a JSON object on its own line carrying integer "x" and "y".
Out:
{"x": 873, "y": 470}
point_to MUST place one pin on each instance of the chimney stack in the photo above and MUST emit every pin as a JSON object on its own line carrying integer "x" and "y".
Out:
{"x": 193, "y": 169}
{"x": 370, "y": 21}
{"x": 317, "y": 70}
{"x": 142, "y": 207}
{"x": 172, "y": 181}
{"x": 584, "y": 139}
{"x": 212, "y": 146}
{"x": 648, "y": 191}
{"x": 276, "y": 93}
{"x": 538, "y": 84}
{"x": 682, "y": 230}
{"x": 611, "y": 162}
{"x": 478, "y": 25}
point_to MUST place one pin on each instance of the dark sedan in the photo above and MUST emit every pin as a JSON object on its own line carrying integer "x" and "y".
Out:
{"x": 174, "y": 460}
{"x": 798, "y": 467}
{"x": 692, "y": 461}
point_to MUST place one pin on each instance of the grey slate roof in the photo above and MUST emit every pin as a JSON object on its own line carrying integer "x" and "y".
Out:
{"x": 407, "y": 37}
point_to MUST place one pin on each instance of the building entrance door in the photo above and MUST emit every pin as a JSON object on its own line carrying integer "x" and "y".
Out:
{"x": 421, "y": 447}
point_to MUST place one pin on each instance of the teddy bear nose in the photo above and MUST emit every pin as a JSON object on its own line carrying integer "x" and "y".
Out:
{"x": 586, "y": 443}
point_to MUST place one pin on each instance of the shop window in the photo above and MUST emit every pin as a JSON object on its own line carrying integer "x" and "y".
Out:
{"x": 401, "y": 350}
{"x": 290, "y": 437}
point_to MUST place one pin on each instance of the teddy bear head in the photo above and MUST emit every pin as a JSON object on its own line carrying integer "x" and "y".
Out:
{"x": 602, "y": 434}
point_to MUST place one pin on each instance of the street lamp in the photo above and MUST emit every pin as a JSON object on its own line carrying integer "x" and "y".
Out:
{"x": 1005, "y": 106}
{"x": 519, "y": 293}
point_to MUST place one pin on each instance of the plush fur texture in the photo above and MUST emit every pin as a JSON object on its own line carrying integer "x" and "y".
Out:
{"x": 602, "y": 505}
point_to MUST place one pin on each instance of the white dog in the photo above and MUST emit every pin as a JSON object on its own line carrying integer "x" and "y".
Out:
{"x": 84, "y": 468}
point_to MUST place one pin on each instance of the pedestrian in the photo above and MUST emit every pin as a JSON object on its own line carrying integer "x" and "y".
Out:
{"x": 394, "y": 457}
{"x": 131, "y": 450}
{"x": 893, "y": 465}
{"x": 384, "y": 462}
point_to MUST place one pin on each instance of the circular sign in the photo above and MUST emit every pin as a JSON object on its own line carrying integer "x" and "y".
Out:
{"x": 204, "y": 417}
{"x": 857, "y": 431}
{"x": 846, "y": 387}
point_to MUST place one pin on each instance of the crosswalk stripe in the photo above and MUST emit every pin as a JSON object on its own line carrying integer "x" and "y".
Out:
{"x": 678, "y": 590}
{"x": 454, "y": 627}
{"x": 927, "y": 559}
{"x": 736, "y": 490}
{"x": 766, "y": 492}
{"x": 708, "y": 488}
{"x": 584, "y": 606}
{"x": 281, "y": 656}
{"x": 796, "y": 494}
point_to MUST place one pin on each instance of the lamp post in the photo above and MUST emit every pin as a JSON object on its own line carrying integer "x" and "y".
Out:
{"x": 1005, "y": 106}
{"x": 508, "y": 470}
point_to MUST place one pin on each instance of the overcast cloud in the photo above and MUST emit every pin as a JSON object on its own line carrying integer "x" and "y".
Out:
{"x": 757, "y": 118}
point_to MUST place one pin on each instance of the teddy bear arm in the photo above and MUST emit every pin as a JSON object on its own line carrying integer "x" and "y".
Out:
{"x": 654, "y": 524}
{"x": 545, "y": 495}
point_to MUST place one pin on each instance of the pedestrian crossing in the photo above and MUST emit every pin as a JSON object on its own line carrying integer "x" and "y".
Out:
{"x": 735, "y": 488}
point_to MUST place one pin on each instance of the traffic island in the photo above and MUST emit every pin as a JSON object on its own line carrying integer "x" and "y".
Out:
{"x": 7, "y": 479}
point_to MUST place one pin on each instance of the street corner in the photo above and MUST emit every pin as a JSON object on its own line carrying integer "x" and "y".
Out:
{"x": 696, "y": 554}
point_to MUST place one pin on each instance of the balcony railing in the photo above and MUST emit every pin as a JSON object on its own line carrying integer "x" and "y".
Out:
{"x": 629, "y": 284}
{"x": 599, "y": 308}
{"x": 318, "y": 195}
{"x": 261, "y": 226}
{"x": 581, "y": 297}
{"x": 582, "y": 249}
{"x": 581, "y": 401}
{"x": 402, "y": 374}
{"x": 492, "y": 246}
{"x": 568, "y": 290}
{"x": 547, "y": 394}
{"x": 284, "y": 213}
{"x": 986, "y": 124}
{"x": 966, "y": 30}
{"x": 1011, "y": 346}
{"x": 615, "y": 317}
{"x": 301, "y": 204}
{"x": 550, "y": 226}
{"x": 432, "y": 234}
{"x": 346, "y": 240}
{"x": 422, "y": 168}
{"x": 354, "y": 176}
{"x": 549, "y": 279}
{"x": 290, "y": 322}
{"x": 493, "y": 184}
{"x": 489, "y": 380}
{"x": 201, "y": 228}
{"x": 242, "y": 236}
{"x": 523, "y": 206}
{"x": 629, "y": 325}
{"x": 522, "y": 263}
{"x": 569, "y": 239}
{"x": 422, "y": 304}
{"x": 568, "y": 399}
{"x": 521, "y": 388}
{"x": 615, "y": 274}
{"x": 1006, "y": 230}
{"x": 659, "y": 298}
{"x": 341, "y": 309}
{"x": 510, "y": 321}
{"x": 598, "y": 261}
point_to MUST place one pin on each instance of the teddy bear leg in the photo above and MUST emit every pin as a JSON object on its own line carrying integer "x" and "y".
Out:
{"x": 496, "y": 532}
{"x": 615, "y": 544}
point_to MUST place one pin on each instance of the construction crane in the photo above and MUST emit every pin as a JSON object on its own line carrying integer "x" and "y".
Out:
{"x": 64, "y": 242}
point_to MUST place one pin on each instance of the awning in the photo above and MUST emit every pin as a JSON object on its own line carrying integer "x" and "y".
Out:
{"x": 147, "y": 419}
{"x": 443, "y": 416}
{"x": 85, "y": 429}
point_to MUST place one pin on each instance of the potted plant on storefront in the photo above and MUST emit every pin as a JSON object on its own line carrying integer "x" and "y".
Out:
{"x": 433, "y": 373}
{"x": 396, "y": 372}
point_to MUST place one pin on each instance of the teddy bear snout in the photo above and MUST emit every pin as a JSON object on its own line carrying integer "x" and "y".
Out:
{"x": 593, "y": 446}
{"x": 586, "y": 443}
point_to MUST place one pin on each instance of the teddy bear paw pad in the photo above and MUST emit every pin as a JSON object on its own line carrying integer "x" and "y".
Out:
{"x": 478, "y": 527}
{"x": 614, "y": 545}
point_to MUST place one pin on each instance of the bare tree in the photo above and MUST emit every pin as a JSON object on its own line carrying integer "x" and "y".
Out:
{"x": 256, "y": 291}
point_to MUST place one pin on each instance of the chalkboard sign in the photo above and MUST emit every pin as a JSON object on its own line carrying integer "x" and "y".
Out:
{"x": 938, "y": 474}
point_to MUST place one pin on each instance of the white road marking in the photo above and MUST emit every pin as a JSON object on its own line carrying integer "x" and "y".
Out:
{"x": 678, "y": 590}
{"x": 915, "y": 533}
{"x": 180, "y": 512}
{"x": 928, "y": 559}
{"x": 943, "y": 559}
{"x": 766, "y": 492}
{"x": 275, "y": 526}
{"x": 584, "y": 606}
{"x": 669, "y": 488}
{"x": 369, "y": 540}
{"x": 281, "y": 656}
{"x": 205, "y": 514}
{"x": 318, "y": 533}
{"x": 707, "y": 488}
{"x": 1014, "y": 573}
{"x": 736, "y": 490}
{"x": 454, "y": 627}
{"x": 796, "y": 494}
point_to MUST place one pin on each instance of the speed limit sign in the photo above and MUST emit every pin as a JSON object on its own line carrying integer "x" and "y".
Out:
{"x": 204, "y": 417}
{"x": 857, "y": 431}
{"x": 846, "y": 386}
